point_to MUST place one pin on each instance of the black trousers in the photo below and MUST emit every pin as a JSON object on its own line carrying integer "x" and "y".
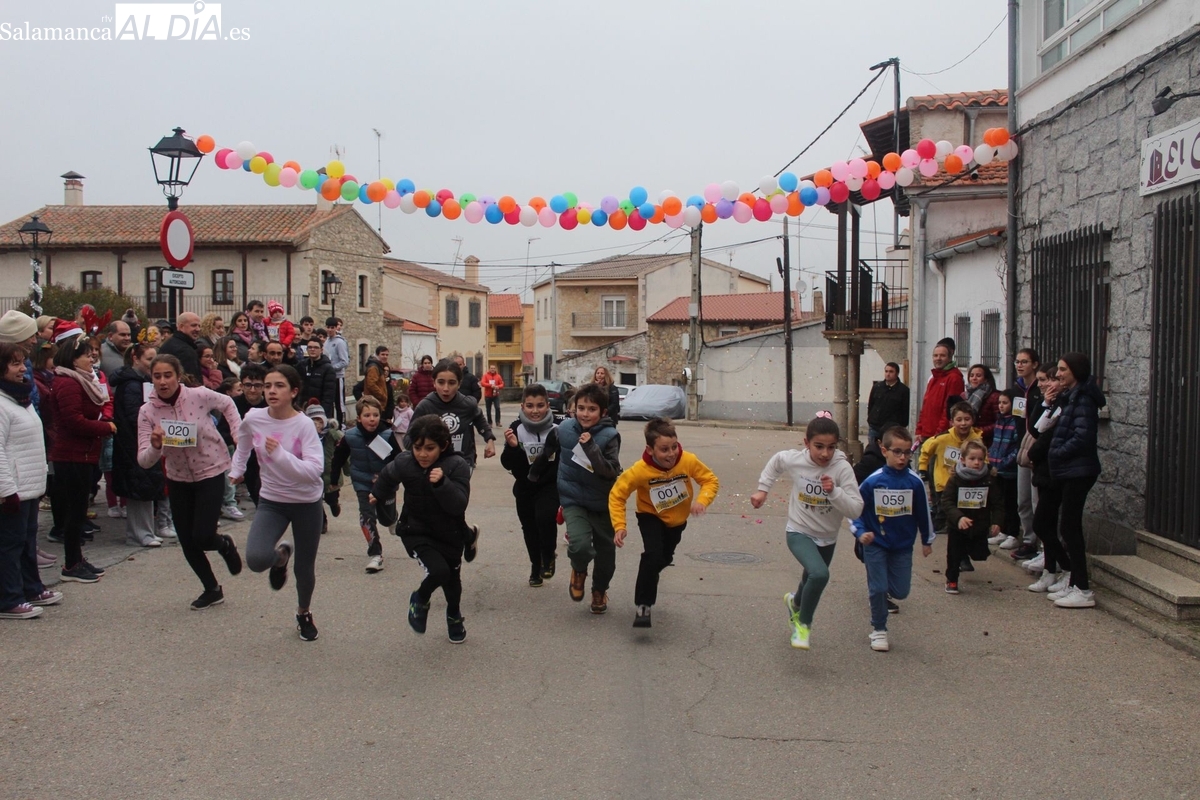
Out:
{"x": 537, "y": 509}
{"x": 1012, "y": 516}
{"x": 1045, "y": 527}
{"x": 196, "y": 507}
{"x": 69, "y": 501}
{"x": 658, "y": 550}
{"x": 444, "y": 570}
{"x": 1069, "y": 495}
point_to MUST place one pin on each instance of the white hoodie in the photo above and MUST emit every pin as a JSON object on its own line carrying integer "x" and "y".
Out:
{"x": 810, "y": 510}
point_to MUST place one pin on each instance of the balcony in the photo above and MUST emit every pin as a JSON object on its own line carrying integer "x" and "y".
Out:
{"x": 601, "y": 325}
{"x": 873, "y": 297}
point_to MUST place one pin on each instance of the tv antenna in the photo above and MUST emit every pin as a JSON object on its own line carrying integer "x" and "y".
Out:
{"x": 457, "y": 250}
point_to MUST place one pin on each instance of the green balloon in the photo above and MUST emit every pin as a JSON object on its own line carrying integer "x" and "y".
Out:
{"x": 467, "y": 198}
{"x": 350, "y": 191}
{"x": 309, "y": 178}
{"x": 627, "y": 207}
{"x": 571, "y": 199}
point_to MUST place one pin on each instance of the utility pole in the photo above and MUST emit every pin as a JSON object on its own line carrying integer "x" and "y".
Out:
{"x": 1014, "y": 171}
{"x": 553, "y": 323}
{"x": 693, "y": 354}
{"x": 785, "y": 268}
{"x": 379, "y": 171}
{"x": 897, "y": 192}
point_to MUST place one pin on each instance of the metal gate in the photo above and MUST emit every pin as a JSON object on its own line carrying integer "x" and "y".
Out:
{"x": 1173, "y": 452}
{"x": 1070, "y": 287}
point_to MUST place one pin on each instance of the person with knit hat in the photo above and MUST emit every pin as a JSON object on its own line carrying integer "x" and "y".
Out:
{"x": 45, "y": 327}
{"x": 280, "y": 328}
{"x": 22, "y": 329}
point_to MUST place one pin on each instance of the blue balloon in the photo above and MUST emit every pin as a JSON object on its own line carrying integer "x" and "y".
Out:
{"x": 646, "y": 210}
{"x": 321, "y": 178}
{"x": 558, "y": 204}
{"x": 362, "y": 195}
{"x": 808, "y": 196}
{"x": 788, "y": 182}
{"x": 434, "y": 209}
{"x": 599, "y": 218}
{"x": 494, "y": 215}
{"x": 405, "y": 186}
{"x": 696, "y": 200}
{"x": 246, "y": 165}
{"x": 638, "y": 196}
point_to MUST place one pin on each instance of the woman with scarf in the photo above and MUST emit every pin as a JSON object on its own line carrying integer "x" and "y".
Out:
{"x": 239, "y": 331}
{"x": 229, "y": 359}
{"x": 140, "y": 487}
{"x": 76, "y": 413}
{"x": 983, "y": 397}
{"x": 210, "y": 375}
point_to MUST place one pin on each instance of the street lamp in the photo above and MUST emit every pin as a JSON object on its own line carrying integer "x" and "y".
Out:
{"x": 170, "y": 160}
{"x": 332, "y": 285}
{"x": 34, "y": 235}
{"x": 1166, "y": 98}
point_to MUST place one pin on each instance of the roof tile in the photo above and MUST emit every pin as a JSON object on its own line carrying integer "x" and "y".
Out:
{"x": 505, "y": 306}
{"x": 750, "y": 307}
{"x": 428, "y": 274}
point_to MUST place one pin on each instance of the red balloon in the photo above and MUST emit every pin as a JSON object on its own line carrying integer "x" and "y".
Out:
{"x": 513, "y": 217}
{"x": 840, "y": 192}
{"x": 220, "y": 157}
{"x": 870, "y": 189}
{"x": 636, "y": 220}
{"x": 443, "y": 195}
{"x": 927, "y": 148}
{"x": 568, "y": 219}
{"x": 762, "y": 210}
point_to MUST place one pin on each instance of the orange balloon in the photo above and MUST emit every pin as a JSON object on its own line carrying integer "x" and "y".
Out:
{"x": 747, "y": 198}
{"x": 537, "y": 203}
{"x": 659, "y": 215}
{"x": 618, "y": 220}
{"x": 989, "y": 137}
{"x": 451, "y": 209}
{"x": 205, "y": 144}
{"x": 873, "y": 169}
{"x": 795, "y": 207}
{"x": 294, "y": 165}
{"x": 891, "y": 162}
{"x": 953, "y": 164}
{"x": 1001, "y": 136}
{"x": 671, "y": 206}
{"x": 331, "y": 189}
{"x": 507, "y": 204}
{"x": 421, "y": 198}
{"x": 708, "y": 212}
{"x": 823, "y": 177}
{"x": 376, "y": 191}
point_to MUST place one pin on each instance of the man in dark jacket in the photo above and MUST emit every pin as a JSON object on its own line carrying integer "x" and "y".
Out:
{"x": 377, "y": 382}
{"x": 888, "y": 403}
{"x": 469, "y": 384}
{"x": 320, "y": 381}
{"x": 182, "y": 345}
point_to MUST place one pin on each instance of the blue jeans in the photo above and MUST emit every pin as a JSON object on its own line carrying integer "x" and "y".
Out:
{"x": 18, "y": 555}
{"x": 888, "y": 572}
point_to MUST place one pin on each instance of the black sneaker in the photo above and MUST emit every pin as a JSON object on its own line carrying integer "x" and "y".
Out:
{"x": 335, "y": 509}
{"x": 1023, "y": 552}
{"x": 55, "y": 535}
{"x": 548, "y": 570}
{"x": 641, "y": 618}
{"x": 278, "y": 573}
{"x": 209, "y": 598}
{"x": 418, "y": 613}
{"x": 535, "y": 577}
{"x": 92, "y": 568}
{"x": 79, "y": 574}
{"x": 456, "y": 630}
{"x": 893, "y": 607}
{"x": 304, "y": 624}
{"x": 232, "y": 559}
{"x": 471, "y": 548}
{"x": 966, "y": 566}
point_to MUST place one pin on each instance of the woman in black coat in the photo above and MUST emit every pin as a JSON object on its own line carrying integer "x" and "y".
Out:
{"x": 603, "y": 378}
{"x": 140, "y": 487}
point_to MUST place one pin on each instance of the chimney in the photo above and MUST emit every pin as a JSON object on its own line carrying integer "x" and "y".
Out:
{"x": 472, "y": 269}
{"x": 322, "y": 203}
{"x": 818, "y": 303}
{"x": 72, "y": 189}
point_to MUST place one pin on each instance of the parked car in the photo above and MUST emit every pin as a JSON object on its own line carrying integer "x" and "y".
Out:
{"x": 654, "y": 400}
{"x": 623, "y": 390}
{"x": 556, "y": 393}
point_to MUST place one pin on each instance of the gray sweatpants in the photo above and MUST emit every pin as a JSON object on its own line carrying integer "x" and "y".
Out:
{"x": 1026, "y": 500}
{"x": 270, "y": 521}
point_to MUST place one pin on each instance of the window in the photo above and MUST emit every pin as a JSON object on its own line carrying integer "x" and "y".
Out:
{"x": 1069, "y": 25}
{"x": 474, "y": 315}
{"x": 156, "y": 295}
{"x": 90, "y": 280}
{"x": 612, "y": 312}
{"x": 1069, "y": 283}
{"x": 727, "y": 331}
{"x": 962, "y": 338}
{"x": 478, "y": 370}
{"x": 324, "y": 285}
{"x": 364, "y": 292}
{"x": 222, "y": 287}
{"x": 452, "y": 312}
{"x": 504, "y": 334}
{"x": 364, "y": 352}
{"x": 990, "y": 345}
{"x": 547, "y": 363}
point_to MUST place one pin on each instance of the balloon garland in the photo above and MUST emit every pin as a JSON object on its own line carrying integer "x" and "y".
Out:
{"x": 785, "y": 194}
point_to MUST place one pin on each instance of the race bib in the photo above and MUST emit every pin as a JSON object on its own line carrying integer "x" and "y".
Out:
{"x": 950, "y": 456}
{"x": 581, "y": 458}
{"x": 893, "y": 502}
{"x": 533, "y": 450}
{"x": 972, "y": 497}
{"x": 456, "y": 440}
{"x": 1018, "y": 404}
{"x": 177, "y": 433}
{"x": 381, "y": 447}
{"x": 669, "y": 494}
{"x": 147, "y": 392}
{"x": 273, "y": 333}
{"x": 811, "y": 493}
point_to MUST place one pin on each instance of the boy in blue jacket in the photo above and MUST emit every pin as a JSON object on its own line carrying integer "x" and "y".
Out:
{"x": 895, "y": 510}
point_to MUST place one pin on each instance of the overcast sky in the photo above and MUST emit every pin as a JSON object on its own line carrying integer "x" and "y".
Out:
{"x": 520, "y": 98}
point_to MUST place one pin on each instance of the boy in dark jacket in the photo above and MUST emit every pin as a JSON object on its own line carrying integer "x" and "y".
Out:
{"x": 972, "y": 499}
{"x": 460, "y": 412}
{"x": 537, "y": 501}
{"x": 367, "y": 447}
{"x": 432, "y": 523}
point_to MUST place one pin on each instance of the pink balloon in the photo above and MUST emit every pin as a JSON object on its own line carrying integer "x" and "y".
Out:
{"x": 443, "y": 195}
{"x": 267, "y": 157}
{"x": 778, "y": 203}
{"x": 391, "y": 199}
{"x": 637, "y": 221}
{"x": 547, "y": 217}
{"x": 910, "y": 158}
{"x": 712, "y": 192}
{"x": 965, "y": 152}
{"x": 288, "y": 177}
{"x": 840, "y": 170}
{"x": 219, "y": 158}
{"x": 839, "y": 193}
{"x": 473, "y": 212}
{"x": 886, "y": 180}
{"x": 928, "y": 167}
{"x": 762, "y": 209}
{"x": 676, "y": 220}
{"x": 233, "y": 160}
{"x": 742, "y": 212}
{"x": 858, "y": 168}
{"x": 569, "y": 219}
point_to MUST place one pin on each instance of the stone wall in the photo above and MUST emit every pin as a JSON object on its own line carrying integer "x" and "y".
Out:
{"x": 667, "y": 357}
{"x": 585, "y": 303}
{"x": 578, "y": 369}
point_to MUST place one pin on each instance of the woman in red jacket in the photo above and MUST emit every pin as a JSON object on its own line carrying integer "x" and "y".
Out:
{"x": 76, "y": 407}
{"x": 421, "y": 383}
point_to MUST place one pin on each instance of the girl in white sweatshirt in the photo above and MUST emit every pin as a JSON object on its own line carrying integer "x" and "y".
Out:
{"x": 824, "y": 493}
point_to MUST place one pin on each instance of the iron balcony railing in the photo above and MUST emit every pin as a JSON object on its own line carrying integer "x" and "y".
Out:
{"x": 874, "y": 296}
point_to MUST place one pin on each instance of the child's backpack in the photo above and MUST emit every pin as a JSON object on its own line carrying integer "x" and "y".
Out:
{"x": 357, "y": 389}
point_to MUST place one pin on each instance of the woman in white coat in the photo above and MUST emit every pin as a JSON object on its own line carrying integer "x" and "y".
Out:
{"x": 22, "y": 484}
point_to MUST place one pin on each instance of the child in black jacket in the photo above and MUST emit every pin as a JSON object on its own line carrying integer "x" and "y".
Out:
{"x": 972, "y": 499}
{"x": 537, "y": 500}
{"x": 432, "y": 523}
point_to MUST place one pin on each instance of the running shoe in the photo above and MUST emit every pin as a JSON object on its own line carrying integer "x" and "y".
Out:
{"x": 455, "y": 629}
{"x": 114, "y": 512}
{"x": 535, "y": 577}
{"x": 278, "y": 573}
{"x": 599, "y": 601}
{"x": 471, "y": 548}
{"x": 78, "y": 574}
{"x": 893, "y": 606}
{"x": 375, "y": 564}
{"x": 418, "y": 613}
{"x": 879, "y": 641}
{"x": 578, "y": 579}
{"x": 45, "y": 559}
{"x": 48, "y": 597}
{"x": 232, "y": 512}
{"x": 21, "y": 611}
{"x": 209, "y": 598}
{"x": 233, "y": 559}
{"x": 92, "y": 568}
{"x": 548, "y": 570}
{"x": 800, "y": 635}
{"x": 1076, "y": 598}
{"x": 951, "y": 587}
{"x": 304, "y": 624}
{"x": 641, "y": 617}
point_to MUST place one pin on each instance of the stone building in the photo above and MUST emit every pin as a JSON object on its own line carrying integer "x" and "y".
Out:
{"x": 456, "y": 308}
{"x": 506, "y": 320}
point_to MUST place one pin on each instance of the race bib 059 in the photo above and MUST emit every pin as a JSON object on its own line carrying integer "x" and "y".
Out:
{"x": 972, "y": 497}
{"x": 893, "y": 502}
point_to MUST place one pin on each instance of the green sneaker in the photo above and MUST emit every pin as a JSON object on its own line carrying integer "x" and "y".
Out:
{"x": 789, "y": 600}
{"x": 800, "y": 634}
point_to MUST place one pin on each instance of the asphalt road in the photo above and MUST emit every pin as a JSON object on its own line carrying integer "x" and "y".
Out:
{"x": 123, "y": 692}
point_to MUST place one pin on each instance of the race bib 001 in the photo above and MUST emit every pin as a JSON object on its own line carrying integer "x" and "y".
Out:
{"x": 972, "y": 497}
{"x": 533, "y": 450}
{"x": 177, "y": 433}
{"x": 950, "y": 456}
{"x": 668, "y": 494}
{"x": 1018, "y": 407}
{"x": 811, "y": 493}
{"x": 893, "y": 502}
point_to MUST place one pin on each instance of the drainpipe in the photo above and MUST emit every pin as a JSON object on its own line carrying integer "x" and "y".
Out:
{"x": 1013, "y": 176}
{"x": 918, "y": 301}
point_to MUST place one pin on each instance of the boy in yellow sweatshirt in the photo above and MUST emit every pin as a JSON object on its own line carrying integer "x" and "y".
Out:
{"x": 944, "y": 451}
{"x": 666, "y": 497}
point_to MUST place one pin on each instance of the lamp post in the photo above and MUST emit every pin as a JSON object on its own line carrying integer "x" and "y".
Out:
{"x": 332, "y": 285}
{"x": 34, "y": 235}
{"x": 170, "y": 159}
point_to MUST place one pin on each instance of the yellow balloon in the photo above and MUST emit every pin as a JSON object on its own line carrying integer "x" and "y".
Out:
{"x": 271, "y": 178}
{"x": 334, "y": 169}
{"x": 388, "y": 182}
{"x": 258, "y": 165}
{"x": 584, "y": 216}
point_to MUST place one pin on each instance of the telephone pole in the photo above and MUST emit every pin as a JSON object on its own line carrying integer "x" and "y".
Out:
{"x": 693, "y": 354}
{"x": 785, "y": 268}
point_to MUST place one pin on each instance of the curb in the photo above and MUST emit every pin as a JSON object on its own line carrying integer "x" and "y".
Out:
{"x": 737, "y": 425}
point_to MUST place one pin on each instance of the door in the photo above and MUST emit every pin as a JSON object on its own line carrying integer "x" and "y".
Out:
{"x": 156, "y": 295}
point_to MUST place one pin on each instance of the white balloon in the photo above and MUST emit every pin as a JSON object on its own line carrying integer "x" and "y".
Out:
{"x": 407, "y": 205}
{"x": 246, "y": 151}
{"x": 805, "y": 185}
{"x": 854, "y": 183}
{"x": 664, "y": 194}
{"x": 984, "y": 154}
{"x": 529, "y": 216}
{"x": 691, "y": 216}
{"x": 730, "y": 190}
{"x": 767, "y": 184}
{"x": 904, "y": 176}
{"x": 1008, "y": 151}
{"x": 944, "y": 148}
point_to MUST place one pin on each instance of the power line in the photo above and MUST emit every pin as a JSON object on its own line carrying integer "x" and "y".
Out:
{"x": 964, "y": 58}
{"x": 878, "y": 75}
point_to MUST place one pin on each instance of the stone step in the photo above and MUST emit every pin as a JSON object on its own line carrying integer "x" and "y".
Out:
{"x": 1153, "y": 586}
{"x": 1170, "y": 554}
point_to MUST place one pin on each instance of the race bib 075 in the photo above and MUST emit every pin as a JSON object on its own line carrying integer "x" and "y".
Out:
{"x": 811, "y": 493}
{"x": 972, "y": 497}
{"x": 893, "y": 502}
{"x": 177, "y": 433}
{"x": 668, "y": 494}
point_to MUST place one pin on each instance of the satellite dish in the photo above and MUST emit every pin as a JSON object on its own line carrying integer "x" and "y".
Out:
{"x": 801, "y": 288}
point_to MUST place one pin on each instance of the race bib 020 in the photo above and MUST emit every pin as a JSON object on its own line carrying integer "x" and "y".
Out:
{"x": 811, "y": 493}
{"x": 893, "y": 502}
{"x": 668, "y": 494}
{"x": 177, "y": 433}
{"x": 972, "y": 497}
{"x": 533, "y": 450}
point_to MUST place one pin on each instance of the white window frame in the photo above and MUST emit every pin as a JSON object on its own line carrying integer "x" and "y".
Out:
{"x": 614, "y": 299}
{"x": 1075, "y": 25}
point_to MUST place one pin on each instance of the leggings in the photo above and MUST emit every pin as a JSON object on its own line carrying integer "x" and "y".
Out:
{"x": 270, "y": 522}
{"x": 368, "y": 521}
{"x": 72, "y": 487}
{"x": 195, "y": 508}
{"x": 1071, "y": 495}
{"x": 1045, "y": 525}
{"x": 537, "y": 509}
{"x": 815, "y": 559}
{"x": 440, "y": 570}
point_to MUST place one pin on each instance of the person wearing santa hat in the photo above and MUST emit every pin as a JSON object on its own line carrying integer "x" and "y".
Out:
{"x": 279, "y": 328}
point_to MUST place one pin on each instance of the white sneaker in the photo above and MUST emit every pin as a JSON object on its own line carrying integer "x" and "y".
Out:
{"x": 124, "y": 512}
{"x": 232, "y": 512}
{"x": 1044, "y": 583}
{"x": 167, "y": 533}
{"x": 1036, "y": 564}
{"x": 998, "y": 538}
{"x": 1010, "y": 543}
{"x": 1060, "y": 585}
{"x": 1076, "y": 598}
{"x": 375, "y": 564}
{"x": 149, "y": 541}
{"x": 879, "y": 641}
{"x": 114, "y": 512}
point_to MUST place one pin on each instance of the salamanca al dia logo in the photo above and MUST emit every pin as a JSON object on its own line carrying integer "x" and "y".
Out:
{"x": 135, "y": 22}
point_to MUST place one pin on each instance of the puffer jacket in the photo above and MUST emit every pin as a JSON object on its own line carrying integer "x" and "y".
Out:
{"x": 22, "y": 450}
{"x": 1073, "y": 450}
{"x": 79, "y": 424}
{"x": 130, "y": 480}
{"x": 210, "y": 456}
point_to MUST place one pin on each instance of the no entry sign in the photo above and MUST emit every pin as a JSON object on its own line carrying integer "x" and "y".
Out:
{"x": 176, "y": 238}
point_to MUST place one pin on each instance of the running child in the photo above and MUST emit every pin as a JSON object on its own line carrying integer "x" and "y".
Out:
{"x": 537, "y": 501}
{"x": 973, "y": 499}
{"x": 367, "y": 447}
{"x": 824, "y": 494}
{"x": 895, "y": 510}
{"x": 432, "y": 523}
{"x": 329, "y": 436}
{"x": 662, "y": 480}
